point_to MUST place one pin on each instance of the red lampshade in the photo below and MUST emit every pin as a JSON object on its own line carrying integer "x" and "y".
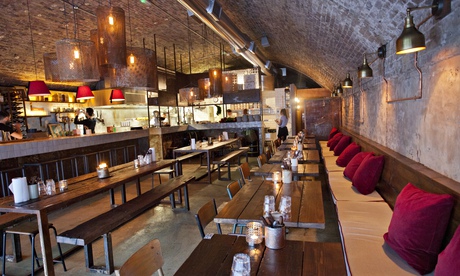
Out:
{"x": 117, "y": 96}
{"x": 84, "y": 93}
{"x": 38, "y": 88}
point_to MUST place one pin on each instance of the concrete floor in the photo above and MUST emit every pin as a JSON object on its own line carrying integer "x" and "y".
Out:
{"x": 176, "y": 229}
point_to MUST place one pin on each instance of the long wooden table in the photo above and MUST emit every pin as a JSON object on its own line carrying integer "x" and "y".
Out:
{"x": 215, "y": 257}
{"x": 206, "y": 149}
{"x": 88, "y": 187}
{"x": 308, "y": 156}
{"x": 307, "y": 210}
{"x": 267, "y": 170}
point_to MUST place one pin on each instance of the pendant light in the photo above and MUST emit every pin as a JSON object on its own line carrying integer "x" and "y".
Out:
{"x": 76, "y": 58}
{"x": 112, "y": 36}
{"x": 215, "y": 82}
{"x": 347, "y": 82}
{"x": 37, "y": 87}
{"x": 84, "y": 93}
{"x": 365, "y": 71}
{"x": 116, "y": 96}
{"x": 131, "y": 58}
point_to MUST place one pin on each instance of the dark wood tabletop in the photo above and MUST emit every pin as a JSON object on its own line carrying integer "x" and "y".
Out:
{"x": 307, "y": 209}
{"x": 215, "y": 257}
{"x": 308, "y": 156}
{"x": 80, "y": 188}
{"x": 302, "y": 170}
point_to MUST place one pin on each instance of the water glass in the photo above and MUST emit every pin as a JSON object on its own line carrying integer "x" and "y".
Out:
{"x": 269, "y": 205}
{"x": 285, "y": 205}
{"x": 42, "y": 188}
{"x": 50, "y": 187}
{"x": 241, "y": 265}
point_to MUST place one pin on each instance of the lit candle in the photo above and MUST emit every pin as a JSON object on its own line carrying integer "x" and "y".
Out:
{"x": 103, "y": 171}
{"x": 276, "y": 177}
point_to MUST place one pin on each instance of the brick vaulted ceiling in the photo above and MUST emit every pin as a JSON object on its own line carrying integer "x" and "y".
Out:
{"x": 320, "y": 39}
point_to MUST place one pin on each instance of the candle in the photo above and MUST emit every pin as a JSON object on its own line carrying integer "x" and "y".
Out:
{"x": 63, "y": 185}
{"x": 102, "y": 171}
{"x": 254, "y": 233}
{"x": 276, "y": 177}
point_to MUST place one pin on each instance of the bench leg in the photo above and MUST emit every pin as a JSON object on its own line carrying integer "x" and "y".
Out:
{"x": 138, "y": 187}
{"x": 109, "y": 268}
{"x": 123, "y": 193}
{"x": 89, "y": 256}
{"x": 187, "y": 203}
{"x": 172, "y": 200}
{"x": 229, "y": 176}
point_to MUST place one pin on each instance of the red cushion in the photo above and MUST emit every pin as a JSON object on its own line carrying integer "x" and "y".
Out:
{"x": 449, "y": 259}
{"x": 332, "y": 138}
{"x": 347, "y": 154}
{"x": 354, "y": 163}
{"x": 333, "y": 132}
{"x": 342, "y": 144}
{"x": 335, "y": 140}
{"x": 368, "y": 173}
{"x": 418, "y": 226}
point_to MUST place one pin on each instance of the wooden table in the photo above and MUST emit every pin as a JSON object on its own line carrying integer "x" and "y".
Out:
{"x": 88, "y": 187}
{"x": 308, "y": 156}
{"x": 307, "y": 210}
{"x": 302, "y": 170}
{"x": 215, "y": 257}
{"x": 206, "y": 149}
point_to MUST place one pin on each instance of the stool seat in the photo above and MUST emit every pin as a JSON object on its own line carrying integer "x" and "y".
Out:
{"x": 30, "y": 229}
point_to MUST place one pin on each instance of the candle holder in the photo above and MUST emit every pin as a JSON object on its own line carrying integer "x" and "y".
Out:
{"x": 276, "y": 177}
{"x": 103, "y": 171}
{"x": 63, "y": 185}
{"x": 254, "y": 233}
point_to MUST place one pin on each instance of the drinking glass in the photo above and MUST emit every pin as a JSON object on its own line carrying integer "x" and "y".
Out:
{"x": 50, "y": 187}
{"x": 42, "y": 188}
{"x": 285, "y": 205}
{"x": 241, "y": 265}
{"x": 269, "y": 204}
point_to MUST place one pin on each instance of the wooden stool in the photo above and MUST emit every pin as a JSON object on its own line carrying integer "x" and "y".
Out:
{"x": 30, "y": 229}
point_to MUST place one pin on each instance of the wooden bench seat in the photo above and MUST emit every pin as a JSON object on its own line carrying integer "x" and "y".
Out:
{"x": 184, "y": 157}
{"x": 102, "y": 225}
{"x": 227, "y": 159}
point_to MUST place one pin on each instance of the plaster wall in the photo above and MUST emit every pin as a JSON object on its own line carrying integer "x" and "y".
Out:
{"x": 425, "y": 130}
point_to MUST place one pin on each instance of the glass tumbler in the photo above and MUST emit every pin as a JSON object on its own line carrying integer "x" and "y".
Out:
{"x": 285, "y": 205}
{"x": 269, "y": 205}
{"x": 241, "y": 265}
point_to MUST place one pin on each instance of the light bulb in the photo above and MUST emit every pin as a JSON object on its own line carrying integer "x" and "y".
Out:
{"x": 131, "y": 59}
{"x": 110, "y": 19}
{"x": 76, "y": 53}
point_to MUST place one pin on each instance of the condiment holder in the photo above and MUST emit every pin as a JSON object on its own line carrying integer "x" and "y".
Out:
{"x": 103, "y": 171}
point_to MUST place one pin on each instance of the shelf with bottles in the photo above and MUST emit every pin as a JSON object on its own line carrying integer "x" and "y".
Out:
{"x": 55, "y": 97}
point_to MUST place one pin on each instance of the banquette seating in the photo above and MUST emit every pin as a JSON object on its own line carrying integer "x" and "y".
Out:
{"x": 392, "y": 228}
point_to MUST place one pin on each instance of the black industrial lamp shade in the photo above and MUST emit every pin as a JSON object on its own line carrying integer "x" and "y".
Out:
{"x": 410, "y": 40}
{"x": 339, "y": 90}
{"x": 347, "y": 82}
{"x": 365, "y": 71}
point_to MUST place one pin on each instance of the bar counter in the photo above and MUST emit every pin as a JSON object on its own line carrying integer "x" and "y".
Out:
{"x": 26, "y": 147}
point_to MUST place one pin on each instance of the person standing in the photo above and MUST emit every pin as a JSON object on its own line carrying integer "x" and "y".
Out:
{"x": 282, "y": 125}
{"x": 89, "y": 122}
{"x": 14, "y": 130}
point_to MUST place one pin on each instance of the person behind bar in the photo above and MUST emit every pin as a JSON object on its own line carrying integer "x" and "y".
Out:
{"x": 14, "y": 130}
{"x": 89, "y": 122}
{"x": 282, "y": 122}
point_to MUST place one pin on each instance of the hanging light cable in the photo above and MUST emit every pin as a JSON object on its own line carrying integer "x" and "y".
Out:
{"x": 36, "y": 88}
{"x": 131, "y": 56}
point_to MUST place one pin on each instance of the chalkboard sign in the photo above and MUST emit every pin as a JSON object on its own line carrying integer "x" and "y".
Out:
{"x": 242, "y": 96}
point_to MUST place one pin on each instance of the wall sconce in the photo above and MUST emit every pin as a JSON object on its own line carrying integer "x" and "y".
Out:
{"x": 411, "y": 39}
{"x": 347, "y": 82}
{"x": 365, "y": 71}
{"x": 116, "y": 96}
{"x": 84, "y": 93}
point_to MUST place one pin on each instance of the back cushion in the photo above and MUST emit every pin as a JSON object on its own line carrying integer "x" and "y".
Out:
{"x": 332, "y": 138}
{"x": 418, "y": 226}
{"x": 449, "y": 259}
{"x": 333, "y": 132}
{"x": 368, "y": 174}
{"x": 347, "y": 154}
{"x": 342, "y": 144}
{"x": 335, "y": 140}
{"x": 354, "y": 163}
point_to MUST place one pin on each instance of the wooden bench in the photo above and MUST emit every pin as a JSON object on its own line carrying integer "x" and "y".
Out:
{"x": 227, "y": 158}
{"x": 102, "y": 225}
{"x": 184, "y": 157}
